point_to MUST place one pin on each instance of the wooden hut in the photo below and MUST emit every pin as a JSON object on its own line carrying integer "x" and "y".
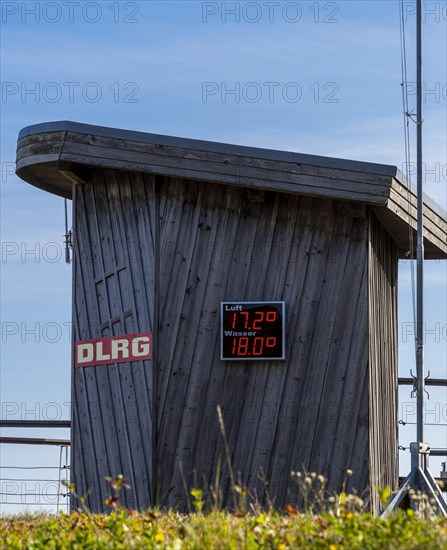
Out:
{"x": 168, "y": 229}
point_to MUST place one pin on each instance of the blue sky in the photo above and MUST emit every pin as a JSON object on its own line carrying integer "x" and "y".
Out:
{"x": 313, "y": 77}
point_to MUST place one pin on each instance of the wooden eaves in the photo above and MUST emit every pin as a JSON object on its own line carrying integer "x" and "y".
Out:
{"x": 55, "y": 155}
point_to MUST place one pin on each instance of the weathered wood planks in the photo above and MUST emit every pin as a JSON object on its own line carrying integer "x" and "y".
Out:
{"x": 383, "y": 383}
{"x": 114, "y": 295}
{"x": 321, "y": 409}
{"x": 279, "y": 416}
{"x": 51, "y": 156}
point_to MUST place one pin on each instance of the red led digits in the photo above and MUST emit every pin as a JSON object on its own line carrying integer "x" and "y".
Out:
{"x": 233, "y": 324}
{"x": 271, "y": 316}
{"x": 253, "y": 330}
{"x": 234, "y": 349}
{"x": 259, "y": 317}
{"x": 271, "y": 342}
{"x": 245, "y": 315}
{"x": 252, "y": 320}
{"x": 245, "y": 347}
{"x": 242, "y": 347}
{"x": 258, "y": 345}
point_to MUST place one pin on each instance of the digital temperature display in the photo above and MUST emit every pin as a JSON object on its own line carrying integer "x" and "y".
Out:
{"x": 252, "y": 331}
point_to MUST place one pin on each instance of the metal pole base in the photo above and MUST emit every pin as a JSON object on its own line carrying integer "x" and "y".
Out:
{"x": 421, "y": 482}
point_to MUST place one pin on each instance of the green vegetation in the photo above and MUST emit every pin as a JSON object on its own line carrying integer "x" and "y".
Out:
{"x": 220, "y": 530}
{"x": 326, "y": 522}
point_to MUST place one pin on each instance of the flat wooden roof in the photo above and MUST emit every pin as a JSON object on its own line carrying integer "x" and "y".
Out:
{"x": 55, "y": 155}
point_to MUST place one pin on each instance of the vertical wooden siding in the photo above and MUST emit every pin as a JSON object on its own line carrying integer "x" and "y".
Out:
{"x": 172, "y": 251}
{"x": 114, "y": 294}
{"x": 219, "y": 243}
{"x": 383, "y": 363}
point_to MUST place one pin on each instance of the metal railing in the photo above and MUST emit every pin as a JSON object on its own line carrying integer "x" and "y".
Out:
{"x": 43, "y": 489}
{"x": 436, "y": 382}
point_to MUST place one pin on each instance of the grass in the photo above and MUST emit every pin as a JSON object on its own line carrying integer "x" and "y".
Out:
{"x": 220, "y": 530}
{"x": 333, "y": 523}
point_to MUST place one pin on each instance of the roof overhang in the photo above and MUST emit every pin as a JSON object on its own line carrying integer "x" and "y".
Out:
{"x": 56, "y": 155}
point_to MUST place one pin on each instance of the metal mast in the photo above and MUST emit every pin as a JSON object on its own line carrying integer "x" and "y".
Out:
{"x": 420, "y": 237}
{"x": 420, "y": 479}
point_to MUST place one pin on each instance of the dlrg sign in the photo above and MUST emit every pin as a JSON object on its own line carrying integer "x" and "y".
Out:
{"x": 115, "y": 349}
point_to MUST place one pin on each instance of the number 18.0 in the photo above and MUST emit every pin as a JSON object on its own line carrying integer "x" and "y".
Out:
{"x": 246, "y": 347}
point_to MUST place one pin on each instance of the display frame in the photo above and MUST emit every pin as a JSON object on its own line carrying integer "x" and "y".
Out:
{"x": 252, "y": 305}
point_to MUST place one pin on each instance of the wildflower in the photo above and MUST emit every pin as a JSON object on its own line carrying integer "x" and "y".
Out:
{"x": 290, "y": 510}
{"x": 349, "y": 472}
{"x": 308, "y": 481}
{"x": 159, "y": 537}
{"x": 332, "y": 547}
{"x": 112, "y": 501}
